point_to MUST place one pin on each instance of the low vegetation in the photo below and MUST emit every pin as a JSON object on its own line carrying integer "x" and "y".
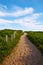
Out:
{"x": 37, "y": 39}
{"x": 13, "y": 37}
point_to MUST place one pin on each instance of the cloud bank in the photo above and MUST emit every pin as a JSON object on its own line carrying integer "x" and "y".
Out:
{"x": 26, "y": 17}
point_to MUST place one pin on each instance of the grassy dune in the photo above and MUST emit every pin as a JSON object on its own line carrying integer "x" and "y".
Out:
{"x": 37, "y": 39}
{"x": 6, "y": 47}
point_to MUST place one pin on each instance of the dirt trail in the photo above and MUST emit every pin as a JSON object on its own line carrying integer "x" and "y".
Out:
{"x": 25, "y": 53}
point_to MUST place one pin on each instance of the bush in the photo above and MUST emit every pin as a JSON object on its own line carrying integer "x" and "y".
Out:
{"x": 6, "y": 47}
{"x": 37, "y": 39}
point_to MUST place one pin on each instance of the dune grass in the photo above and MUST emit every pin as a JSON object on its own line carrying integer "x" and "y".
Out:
{"x": 6, "y": 47}
{"x": 37, "y": 39}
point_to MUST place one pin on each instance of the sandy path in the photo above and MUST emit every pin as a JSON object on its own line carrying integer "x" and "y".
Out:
{"x": 25, "y": 53}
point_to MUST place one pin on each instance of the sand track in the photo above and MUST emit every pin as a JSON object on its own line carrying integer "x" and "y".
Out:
{"x": 25, "y": 53}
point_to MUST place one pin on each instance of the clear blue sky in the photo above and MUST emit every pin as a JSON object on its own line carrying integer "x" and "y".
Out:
{"x": 21, "y": 14}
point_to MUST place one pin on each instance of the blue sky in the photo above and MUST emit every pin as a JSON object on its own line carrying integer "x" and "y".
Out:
{"x": 21, "y": 14}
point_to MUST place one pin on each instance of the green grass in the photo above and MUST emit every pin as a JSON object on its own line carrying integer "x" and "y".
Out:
{"x": 37, "y": 39}
{"x": 6, "y": 47}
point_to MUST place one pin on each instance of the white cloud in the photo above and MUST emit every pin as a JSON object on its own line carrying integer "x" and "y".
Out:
{"x": 29, "y": 22}
{"x": 3, "y": 21}
{"x": 2, "y": 13}
{"x": 23, "y": 12}
{"x": 19, "y": 12}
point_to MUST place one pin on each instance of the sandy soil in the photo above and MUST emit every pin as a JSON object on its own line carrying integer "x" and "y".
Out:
{"x": 25, "y": 53}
